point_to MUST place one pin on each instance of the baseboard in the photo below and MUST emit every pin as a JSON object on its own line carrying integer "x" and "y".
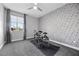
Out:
{"x": 2, "y": 45}
{"x": 29, "y": 37}
{"x": 64, "y": 44}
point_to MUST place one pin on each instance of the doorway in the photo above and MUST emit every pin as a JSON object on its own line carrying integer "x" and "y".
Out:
{"x": 16, "y": 27}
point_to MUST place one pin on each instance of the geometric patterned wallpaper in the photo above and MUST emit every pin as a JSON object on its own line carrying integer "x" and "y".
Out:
{"x": 63, "y": 24}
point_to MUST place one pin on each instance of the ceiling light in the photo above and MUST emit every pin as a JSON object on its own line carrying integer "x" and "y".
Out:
{"x": 35, "y": 7}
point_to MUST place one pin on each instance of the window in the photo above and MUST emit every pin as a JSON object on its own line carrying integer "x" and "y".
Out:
{"x": 16, "y": 23}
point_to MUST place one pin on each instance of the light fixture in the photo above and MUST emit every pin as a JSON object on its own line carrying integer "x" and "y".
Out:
{"x": 35, "y": 7}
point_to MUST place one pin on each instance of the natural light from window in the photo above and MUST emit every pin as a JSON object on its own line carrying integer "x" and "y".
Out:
{"x": 16, "y": 23}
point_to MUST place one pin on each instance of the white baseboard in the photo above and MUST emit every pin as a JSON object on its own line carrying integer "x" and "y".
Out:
{"x": 64, "y": 44}
{"x": 29, "y": 37}
{"x": 2, "y": 45}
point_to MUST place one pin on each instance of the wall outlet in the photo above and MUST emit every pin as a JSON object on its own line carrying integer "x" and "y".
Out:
{"x": 74, "y": 41}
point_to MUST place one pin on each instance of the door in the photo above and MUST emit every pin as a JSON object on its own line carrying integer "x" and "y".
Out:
{"x": 16, "y": 27}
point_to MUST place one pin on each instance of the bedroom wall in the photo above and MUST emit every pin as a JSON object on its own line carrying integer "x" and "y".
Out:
{"x": 62, "y": 25}
{"x": 31, "y": 25}
{"x": 1, "y": 25}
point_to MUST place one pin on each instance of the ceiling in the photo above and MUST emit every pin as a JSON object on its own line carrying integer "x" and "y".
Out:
{"x": 23, "y": 8}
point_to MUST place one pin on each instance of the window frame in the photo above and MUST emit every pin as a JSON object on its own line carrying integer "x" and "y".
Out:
{"x": 17, "y": 15}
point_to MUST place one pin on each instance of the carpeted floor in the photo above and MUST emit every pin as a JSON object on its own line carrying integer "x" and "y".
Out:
{"x": 25, "y": 48}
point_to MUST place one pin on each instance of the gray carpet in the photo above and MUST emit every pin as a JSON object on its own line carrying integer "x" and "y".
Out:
{"x": 20, "y": 48}
{"x": 25, "y": 48}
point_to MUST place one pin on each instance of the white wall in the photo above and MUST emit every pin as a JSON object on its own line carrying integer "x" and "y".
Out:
{"x": 1, "y": 25}
{"x": 62, "y": 25}
{"x": 31, "y": 25}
